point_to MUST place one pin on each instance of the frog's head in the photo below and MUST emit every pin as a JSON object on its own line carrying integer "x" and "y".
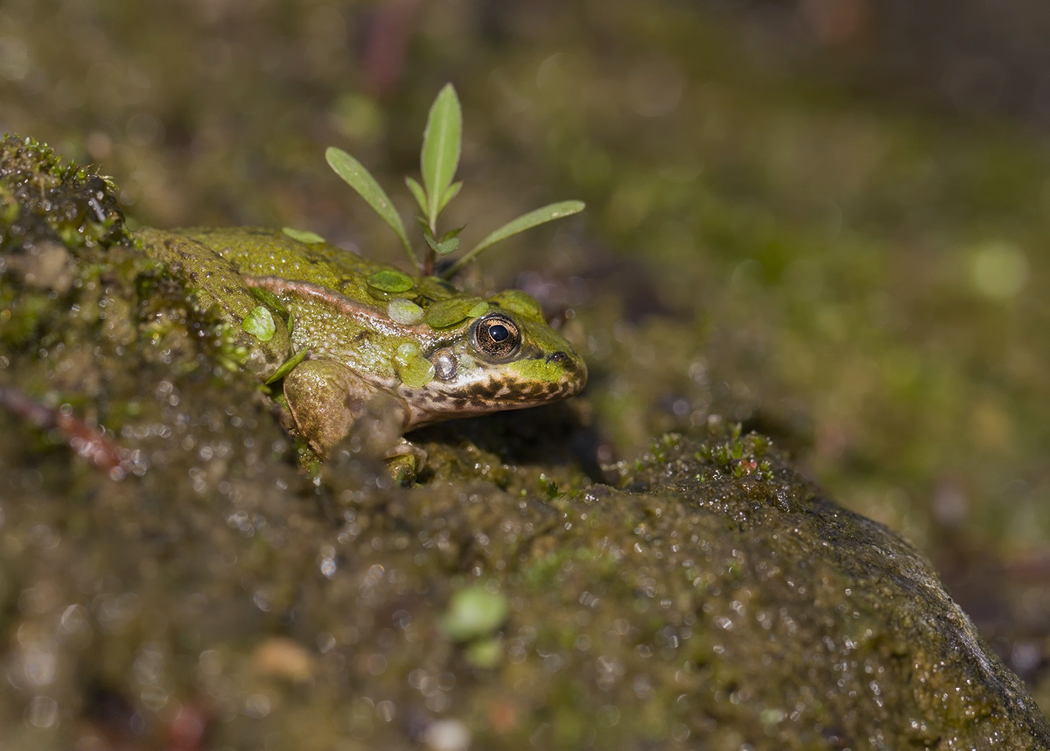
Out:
{"x": 507, "y": 358}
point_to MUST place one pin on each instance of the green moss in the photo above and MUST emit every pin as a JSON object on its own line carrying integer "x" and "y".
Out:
{"x": 782, "y": 249}
{"x": 43, "y": 200}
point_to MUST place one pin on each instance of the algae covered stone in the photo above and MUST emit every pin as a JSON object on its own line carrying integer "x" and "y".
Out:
{"x": 704, "y": 596}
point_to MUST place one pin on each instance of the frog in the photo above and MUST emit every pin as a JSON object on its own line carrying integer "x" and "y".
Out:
{"x": 341, "y": 333}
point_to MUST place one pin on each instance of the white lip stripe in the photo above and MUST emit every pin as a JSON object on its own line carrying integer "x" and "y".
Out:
{"x": 439, "y": 401}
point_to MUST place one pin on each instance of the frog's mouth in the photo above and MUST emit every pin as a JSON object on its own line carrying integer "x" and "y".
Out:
{"x": 496, "y": 388}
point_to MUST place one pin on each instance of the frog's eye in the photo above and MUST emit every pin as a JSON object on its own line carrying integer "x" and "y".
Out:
{"x": 496, "y": 336}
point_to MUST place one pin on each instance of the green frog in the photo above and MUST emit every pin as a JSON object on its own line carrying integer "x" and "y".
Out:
{"x": 342, "y": 332}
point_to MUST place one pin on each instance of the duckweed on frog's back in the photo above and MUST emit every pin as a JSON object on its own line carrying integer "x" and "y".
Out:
{"x": 343, "y": 331}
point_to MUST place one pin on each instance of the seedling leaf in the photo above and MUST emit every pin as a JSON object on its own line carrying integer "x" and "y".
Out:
{"x": 417, "y": 192}
{"x": 447, "y": 246}
{"x": 303, "y": 236}
{"x": 526, "y": 221}
{"x": 287, "y": 366}
{"x": 441, "y": 144}
{"x": 361, "y": 180}
{"x": 444, "y": 246}
{"x": 452, "y": 192}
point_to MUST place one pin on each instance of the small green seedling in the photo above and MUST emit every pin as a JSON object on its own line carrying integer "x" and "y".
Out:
{"x": 438, "y": 163}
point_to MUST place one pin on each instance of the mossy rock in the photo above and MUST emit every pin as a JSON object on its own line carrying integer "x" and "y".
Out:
{"x": 704, "y": 596}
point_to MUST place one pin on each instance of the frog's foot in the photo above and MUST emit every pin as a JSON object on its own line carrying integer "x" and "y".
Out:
{"x": 330, "y": 404}
{"x": 404, "y": 461}
{"x": 327, "y": 399}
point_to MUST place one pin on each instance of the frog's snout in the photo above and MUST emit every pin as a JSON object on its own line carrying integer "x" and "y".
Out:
{"x": 575, "y": 370}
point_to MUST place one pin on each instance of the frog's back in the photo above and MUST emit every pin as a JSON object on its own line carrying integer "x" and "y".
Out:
{"x": 259, "y": 252}
{"x": 271, "y": 253}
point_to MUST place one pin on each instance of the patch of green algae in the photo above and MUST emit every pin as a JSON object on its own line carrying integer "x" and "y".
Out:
{"x": 705, "y": 596}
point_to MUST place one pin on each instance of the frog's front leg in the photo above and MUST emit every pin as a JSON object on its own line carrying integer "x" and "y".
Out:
{"x": 326, "y": 399}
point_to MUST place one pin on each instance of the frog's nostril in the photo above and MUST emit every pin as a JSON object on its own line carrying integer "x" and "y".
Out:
{"x": 558, "y": 356}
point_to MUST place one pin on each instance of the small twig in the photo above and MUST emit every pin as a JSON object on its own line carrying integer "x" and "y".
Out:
{"x": 88, "y": 442}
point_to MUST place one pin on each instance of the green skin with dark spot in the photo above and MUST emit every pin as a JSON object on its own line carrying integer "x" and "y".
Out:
{"x": 356, "y": 352}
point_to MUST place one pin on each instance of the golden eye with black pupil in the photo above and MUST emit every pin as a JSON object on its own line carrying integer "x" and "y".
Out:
{"x": 496, "y": 337}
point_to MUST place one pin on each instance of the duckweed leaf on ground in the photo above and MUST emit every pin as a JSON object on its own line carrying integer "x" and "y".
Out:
{"x": 474, "y": 612}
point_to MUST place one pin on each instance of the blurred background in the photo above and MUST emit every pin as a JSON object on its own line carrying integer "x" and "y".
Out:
{"x": 827, "y": 219}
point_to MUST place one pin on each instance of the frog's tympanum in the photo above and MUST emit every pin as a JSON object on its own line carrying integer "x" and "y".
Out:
{"x": 343, "y": 331}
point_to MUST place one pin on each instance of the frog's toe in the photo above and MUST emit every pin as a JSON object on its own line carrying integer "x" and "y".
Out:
{"x": 403, "y": 470}
{"x": 405, "y": 461}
